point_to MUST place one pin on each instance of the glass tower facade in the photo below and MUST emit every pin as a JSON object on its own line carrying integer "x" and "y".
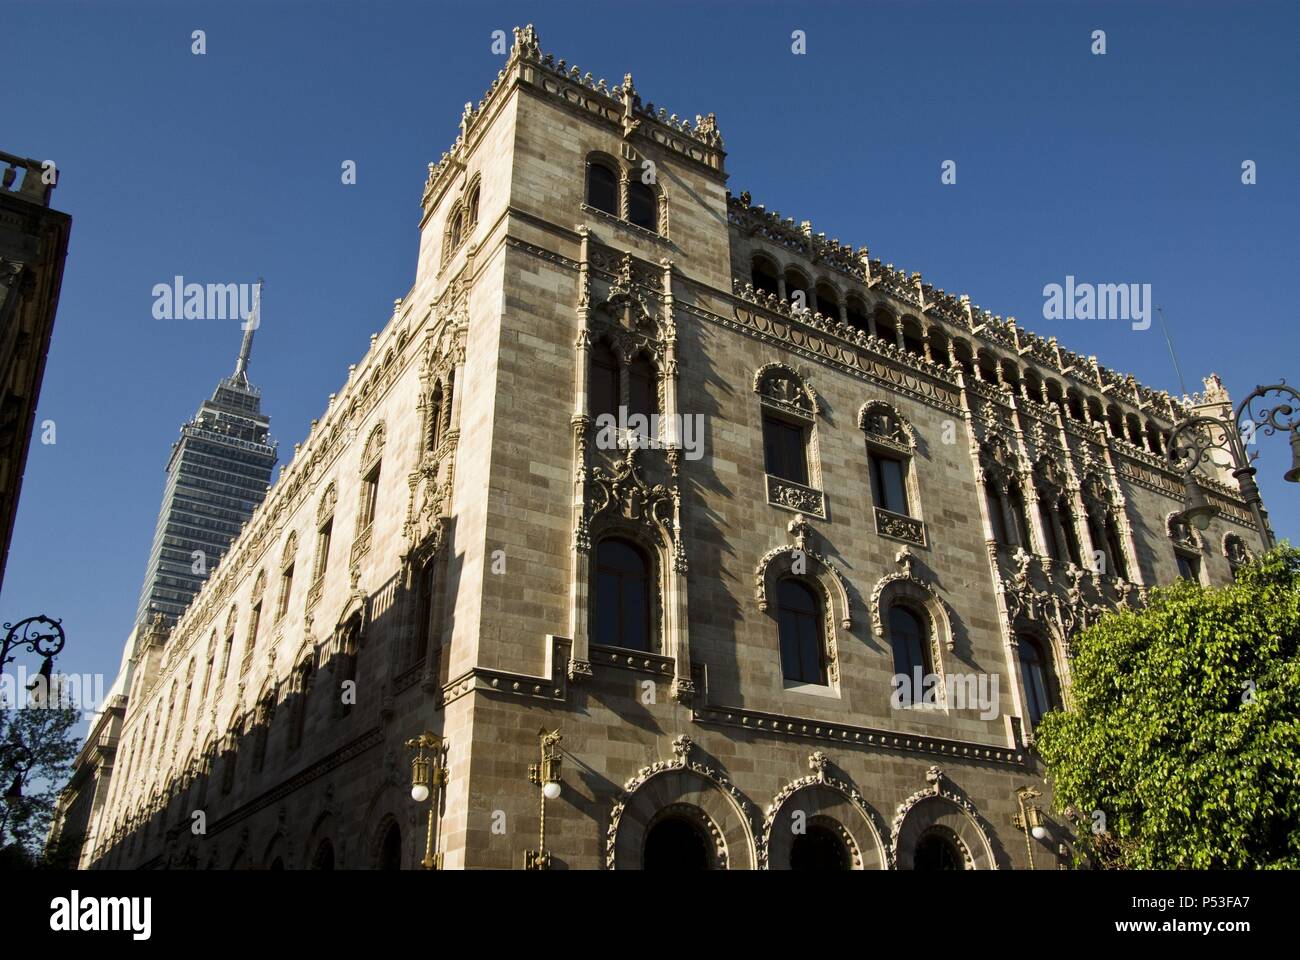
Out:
{"x": 217, "y": 475}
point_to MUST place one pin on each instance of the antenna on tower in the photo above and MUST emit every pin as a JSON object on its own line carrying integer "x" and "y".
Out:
{"x": 252, "y": 323}
{"x": 1182, "y": 385}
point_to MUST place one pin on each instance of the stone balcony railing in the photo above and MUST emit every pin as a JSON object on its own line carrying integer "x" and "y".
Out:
{"x": 34, "y": 186}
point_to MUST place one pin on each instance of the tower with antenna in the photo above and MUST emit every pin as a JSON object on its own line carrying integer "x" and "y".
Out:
{"x": 217, "y": 475}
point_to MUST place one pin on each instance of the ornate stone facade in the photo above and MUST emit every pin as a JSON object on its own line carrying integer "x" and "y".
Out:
{"x": 450, "y": 508}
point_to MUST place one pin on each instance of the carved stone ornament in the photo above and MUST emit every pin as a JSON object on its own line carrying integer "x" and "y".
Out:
{"x": 907, "y": 582}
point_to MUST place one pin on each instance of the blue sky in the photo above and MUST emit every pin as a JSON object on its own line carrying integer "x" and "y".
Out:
{"x": 225, "y": 167}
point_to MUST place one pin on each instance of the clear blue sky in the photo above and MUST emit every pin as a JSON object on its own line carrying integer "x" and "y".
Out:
{"x": 225, "y": 167}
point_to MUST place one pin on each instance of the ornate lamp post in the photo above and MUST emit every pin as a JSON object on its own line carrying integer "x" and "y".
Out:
{"x": 1029, "y": 820}
{"x": 545, "y": 774}
{"x": 1194, "y": 439}
{"x": 428, "y": 776}
{"x": 41, "y": 635}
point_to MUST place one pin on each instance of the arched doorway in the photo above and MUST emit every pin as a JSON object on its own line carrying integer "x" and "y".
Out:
{"x": 390, "y": 854}
{"x": 934, "y": 851}
{"x": 675, "y": 843}
{"x": 818, "y": 848}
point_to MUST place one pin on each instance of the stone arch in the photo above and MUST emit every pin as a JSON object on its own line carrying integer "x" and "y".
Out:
{"x": 944, "y": 809}
{"x": 685, "y": 787}
{"x": 1182, "y": 532}
{"x": 799, "y": 397}
{"x": 906, "y": 587}
{"x": 905, "y": 435}
{"x": 374, "y": 447}
{"x": 325, "y": 508}
{"x": 822, "y": 798}
{"x": 1235, "y": 550}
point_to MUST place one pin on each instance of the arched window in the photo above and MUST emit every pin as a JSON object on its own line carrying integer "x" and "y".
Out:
{"x": 623, "y": 591}
{"x": 1036, "y": 674}
{"x": 602, "y": 187}
{"x": 857, "y": 315}
{"x": 642, "y": 206}
{"x": 763, "y": 277}
{"x": 457, "y": 228}
{"x": 911, "y": 647}
{"x": 643, "y": 387}
{"x": 604, "y": 381}
{"x": 828, "y": 302}
{"x": 472, "y": 205}
{"x": 799, "y": 616}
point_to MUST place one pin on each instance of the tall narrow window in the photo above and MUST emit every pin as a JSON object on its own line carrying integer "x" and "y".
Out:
{"x": 642, "y": 206}
{"x": 472, "y": 206}
{"x": 1037, "y": 679}
{"x": 783, "y": 450}
{"x": 286, "y": 588}
{"x": 457, "y": 229}
{"x": 254, "y": 624}
{"x": 1020, "y": 515}
{"x": 643, "y": 387}
{"x": 623, "y": 591}
{"x": 369, "y": 496}
{"x": 910, "y": 643}
{"x": 225, "y": 660}
{"x": 435, "y": 418}
{"x": 604, "y": 387}
{"x": 1118, "y": 564}
{"x": 1049, "y": 531}
{"x": 602, "y": 188}
{"x": 802, "y": 645}
{"x": 323, "y": 537}
{"x": 1189, "y": 567}
{"x": 889, "y": 483}
{"x": 424, "y": 610}
{"x": 997, "y": 517}
{"x": 763, "y": 277}
{"x": 1067, "y": 526}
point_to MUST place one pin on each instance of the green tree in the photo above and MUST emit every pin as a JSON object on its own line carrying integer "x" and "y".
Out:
{"x": 1184, "y": 726}
{"x": 37, "y": 747}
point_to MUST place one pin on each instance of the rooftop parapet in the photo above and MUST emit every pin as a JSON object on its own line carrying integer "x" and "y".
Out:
{"x": 34, "y": 186}
{"x": 958, "y": 311}
{"x": 621, "y": 101}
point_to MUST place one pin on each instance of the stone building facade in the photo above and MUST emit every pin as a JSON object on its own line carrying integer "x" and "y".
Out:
{"x": 872, "y": 478}
{"x": 33, "y": 247}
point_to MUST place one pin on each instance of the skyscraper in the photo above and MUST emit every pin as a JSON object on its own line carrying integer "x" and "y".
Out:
{"x": 216, "y": 477}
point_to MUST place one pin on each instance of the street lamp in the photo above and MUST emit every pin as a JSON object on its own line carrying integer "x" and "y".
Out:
{"x": 428, "y": 775}
{"x": 546, "y": 774}
{"x": 1030, "y": 819}
{"x": 41, "y": 635}
{"x": 1193, "y": 440}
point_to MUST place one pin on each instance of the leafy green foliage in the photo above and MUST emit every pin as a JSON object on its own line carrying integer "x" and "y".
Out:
{"x": 37, "y": 745}
{"x": 1184, "y": 725}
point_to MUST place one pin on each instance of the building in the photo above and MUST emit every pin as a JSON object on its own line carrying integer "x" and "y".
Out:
{"x": 33, "y": 246}
{"x": 217, "y": 476}
{"x": 691, "y": 631}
